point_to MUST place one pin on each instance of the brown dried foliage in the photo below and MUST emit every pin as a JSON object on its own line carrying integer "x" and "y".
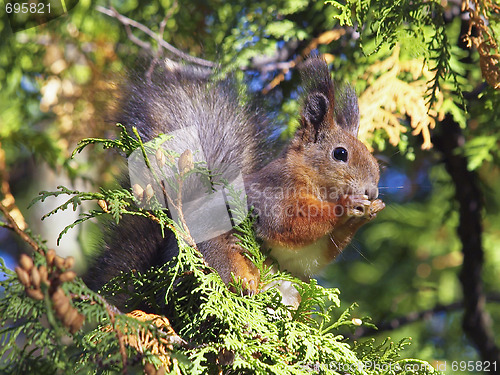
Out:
{"x": 43, "y": 281}
{"x": 480, "y": 36}
{"x": 144, "y": 341}
{"x": 389, "y": 99}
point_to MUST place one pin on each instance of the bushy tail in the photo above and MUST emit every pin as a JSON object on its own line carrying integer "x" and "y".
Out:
{"x": 174, "y": 97}
{"x": 183, "y": 101}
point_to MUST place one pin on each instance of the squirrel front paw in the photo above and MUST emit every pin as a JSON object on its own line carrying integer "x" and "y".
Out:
{"x": 360, "y": 206}
{"x": 231, "y": 261}
{"x": 376, "y": 206}
{"x": 250, "y": 284}
{"x": 245, "y": 272}
{"x": 357, "y": 211}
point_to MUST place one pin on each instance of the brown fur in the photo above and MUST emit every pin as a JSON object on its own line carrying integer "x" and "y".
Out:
{"x": 304, "y": 197}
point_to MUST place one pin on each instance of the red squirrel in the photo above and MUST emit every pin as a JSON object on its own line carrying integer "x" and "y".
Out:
{"x": 308, "y": 202}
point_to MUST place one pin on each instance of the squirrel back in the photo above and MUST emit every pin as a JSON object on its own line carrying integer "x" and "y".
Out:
{"x": 309, "y": 201}
{"x": 172, "y": 98}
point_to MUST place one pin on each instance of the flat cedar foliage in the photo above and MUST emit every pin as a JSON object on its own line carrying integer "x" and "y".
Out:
{"x": 209, "y": 328}
{"x": 425, "y": 71}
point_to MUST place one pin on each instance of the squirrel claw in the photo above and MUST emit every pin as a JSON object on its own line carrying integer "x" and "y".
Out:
{"x": 357, "y": 205}
{"x": 249, "y": 287}
{"x": 376, "y": 206}
{"x": 360, "y": 206}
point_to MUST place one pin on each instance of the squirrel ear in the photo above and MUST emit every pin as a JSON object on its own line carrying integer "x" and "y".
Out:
{"x": 318, "y": 98}
{"x": 325, "y": 103}
{"x": 347, "y": 109}
{"x": 316, "y": 109}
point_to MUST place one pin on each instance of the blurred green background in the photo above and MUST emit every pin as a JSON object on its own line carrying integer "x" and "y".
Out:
{"x": 57, "y": 80}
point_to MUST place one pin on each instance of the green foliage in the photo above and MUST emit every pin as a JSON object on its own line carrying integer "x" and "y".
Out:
{"x": 391, "y": 22}
{"x": 260, "y": 333}
{"x": 220, "y": 329}
{"x": 410, "y": 254}
{"x": 118, "y": 202}
{"x": 483, "y": 149}
{"x": 33, "y": 340}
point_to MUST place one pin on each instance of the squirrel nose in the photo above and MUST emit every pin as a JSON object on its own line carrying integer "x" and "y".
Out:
{"x": 372, "y": 193}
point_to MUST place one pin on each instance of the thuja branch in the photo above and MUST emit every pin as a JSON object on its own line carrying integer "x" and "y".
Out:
{"x": 111, "y": 310}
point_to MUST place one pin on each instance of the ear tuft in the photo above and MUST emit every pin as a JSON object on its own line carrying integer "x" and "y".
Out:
{"x": 347, "y": 109}
{"x": 316, "y": 108}
{"x": 318, "y": 97}
{"x": 322, "y": 98}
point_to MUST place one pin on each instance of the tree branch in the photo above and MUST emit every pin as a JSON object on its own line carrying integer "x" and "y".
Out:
{"x": 13, "y": 216}
{"x": 406, "y": 319}
{"x": 6, "y": 197}
{"x": 127, "y": 22}
{"x": 12, "y": 225}
{"x": 476, "y": 321}
{"x": 413, "y": 317}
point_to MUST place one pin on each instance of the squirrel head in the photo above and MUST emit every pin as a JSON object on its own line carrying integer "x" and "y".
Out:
{"x": 326, "y": 141}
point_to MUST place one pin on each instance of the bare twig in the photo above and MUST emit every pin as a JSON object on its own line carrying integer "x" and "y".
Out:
{"x": 177, "y": 206}
{"x": 6, "y": 197}
{"x": 407, "y": 319}
{"x": 136, "y": 40}
{"x": 325, "y": 38}
{"x": 12, "y": 225}
{"x": 178, "y": 200}
{"x": 112, "y": 311}
{"x": 127, "y": 22}
{"x": 158, "y": 54}
{"x": 169, "y": 14}
{"x": 416, "y": 316}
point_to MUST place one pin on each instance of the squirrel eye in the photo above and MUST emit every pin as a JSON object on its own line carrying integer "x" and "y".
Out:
{"x": 340, "y": 153}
